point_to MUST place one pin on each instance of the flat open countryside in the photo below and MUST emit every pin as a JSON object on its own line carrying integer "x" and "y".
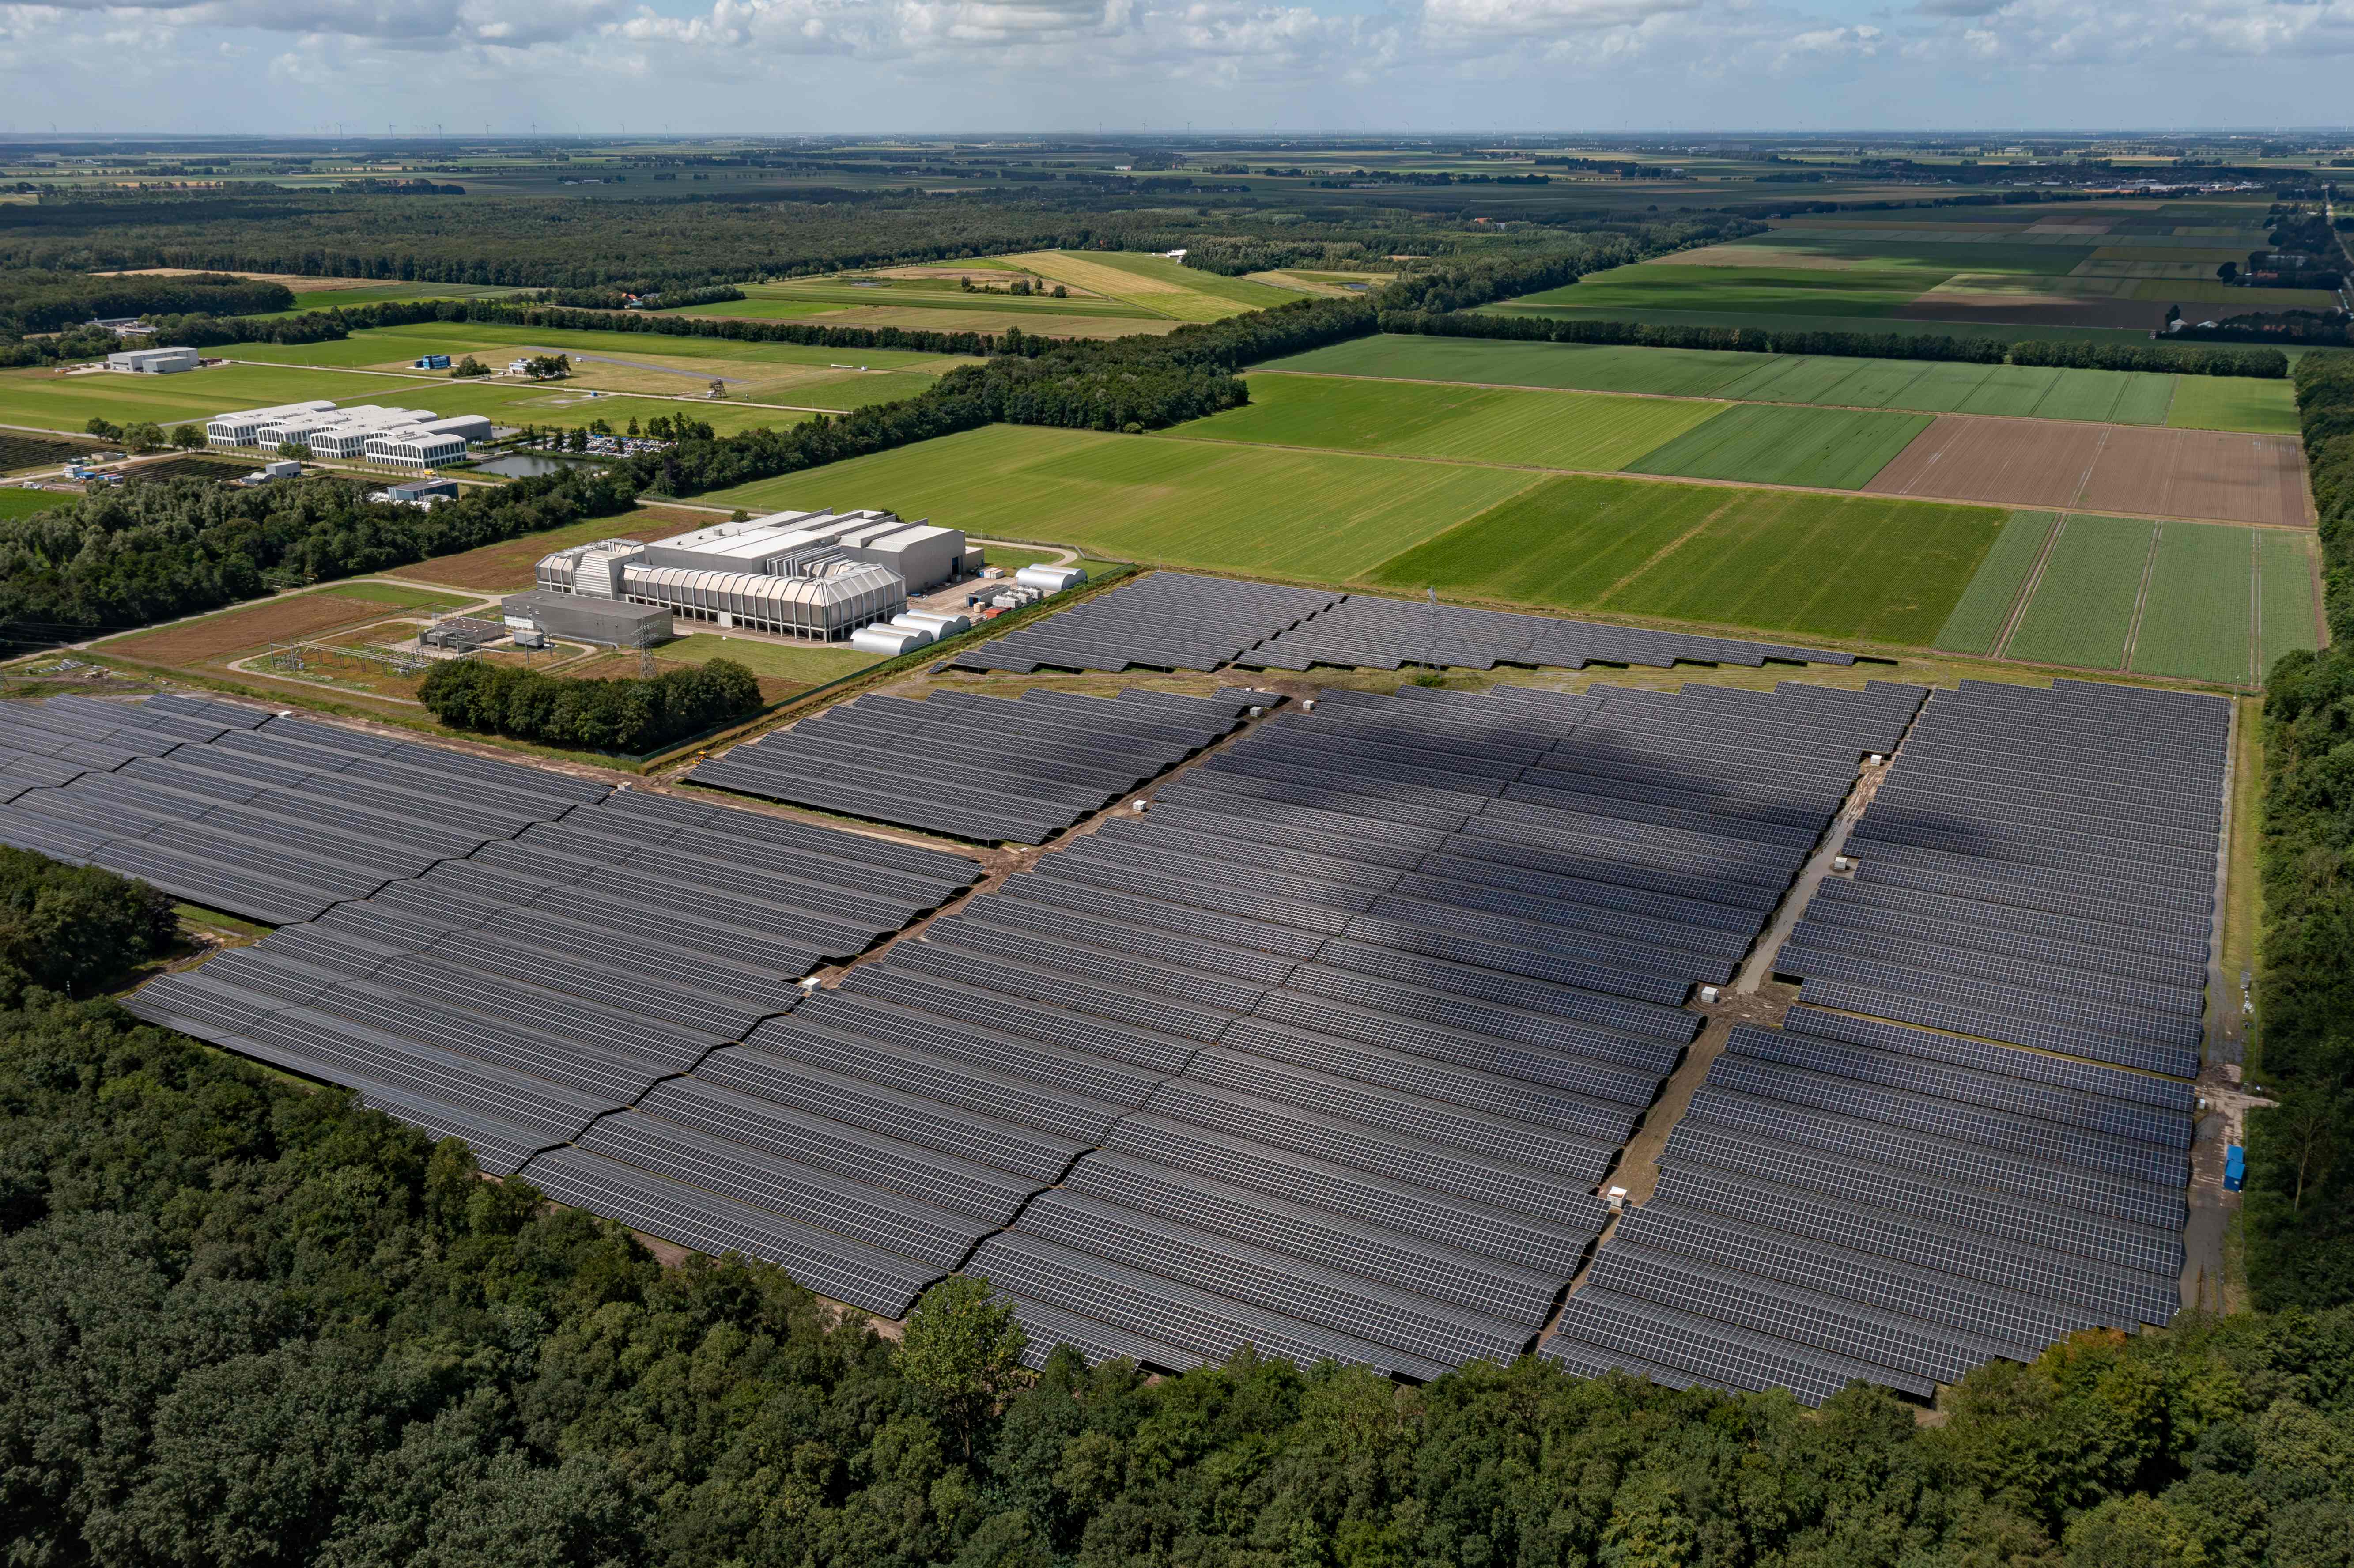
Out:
{"x": 1552, "y": 429}
{"x": 2204, "y": 402}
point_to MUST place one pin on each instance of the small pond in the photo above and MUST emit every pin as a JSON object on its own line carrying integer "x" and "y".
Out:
{"x": 527, "y": 465}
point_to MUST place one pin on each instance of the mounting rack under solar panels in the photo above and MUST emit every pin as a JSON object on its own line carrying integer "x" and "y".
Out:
{"x": 1167, "y": 621}
{"x": 831, "y": 1264}
{"x": 979, "y": 767}
{"x": 1386, "y": 633}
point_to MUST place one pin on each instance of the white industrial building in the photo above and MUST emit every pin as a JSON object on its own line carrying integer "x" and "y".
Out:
{"x": 152, "y": 361}
{"x": 243, "y": 428}
{"x": 922, "y": 556}
{"x": 415, "y": 438}
{"x": 821, "y": 593}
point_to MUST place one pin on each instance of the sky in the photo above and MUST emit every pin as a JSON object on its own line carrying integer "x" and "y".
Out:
{"x": 1000, "y": 65}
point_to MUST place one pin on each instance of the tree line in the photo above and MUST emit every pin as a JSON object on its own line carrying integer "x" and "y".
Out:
{"x": 42, "y": 300}
{"x": 625, "y": 715}
{"x": 126, "y": 556}
{"x": 250, "y": 1325}
{"x": 2187, "y": 359}
{"x": 2300, "y": 1202}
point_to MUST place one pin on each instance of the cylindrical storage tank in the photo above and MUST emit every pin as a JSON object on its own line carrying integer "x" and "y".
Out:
{"x": 887, "y": 641}
{"x": 1051, "y": 579}
{"x": 908, "y": 623}
{"x": 938, "y": 625}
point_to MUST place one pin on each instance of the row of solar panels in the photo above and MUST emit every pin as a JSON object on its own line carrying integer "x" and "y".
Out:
{"x": 1360, "y": 1115}
{"x": 268, "y": 816}
{"x": 1855, "y": 1196}
{"x": 986, "y": 768}
{"x": 1165, "y": 621}
{"x": 1386, "y": 633}
{"x": 2041, "y": 869}
{"x": 1847, "y": 1198}
{"x": 1174, "y": 620}
{"x": 1335, "y": 1131}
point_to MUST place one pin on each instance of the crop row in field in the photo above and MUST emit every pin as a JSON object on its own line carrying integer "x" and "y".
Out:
{"x": 2202, "y": 402}
{"x": 2206, "y": 601}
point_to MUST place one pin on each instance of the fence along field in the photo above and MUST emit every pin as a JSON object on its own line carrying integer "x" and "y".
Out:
{"x": 1929, "y": 387}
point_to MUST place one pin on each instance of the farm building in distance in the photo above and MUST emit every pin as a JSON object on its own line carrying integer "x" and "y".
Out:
{"x": 814, "y": 589}
{"x": 152, "y": 361}
{"x": 415, "y": 437}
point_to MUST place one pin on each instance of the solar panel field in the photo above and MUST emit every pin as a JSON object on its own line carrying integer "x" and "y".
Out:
{"x": 1328, "y": 1055}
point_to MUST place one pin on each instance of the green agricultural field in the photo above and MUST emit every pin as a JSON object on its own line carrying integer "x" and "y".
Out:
{"x": 2084, "y": 604}
{"x": 2198, "y": 615}
{"x": 1692, "y": 373}
{"x": 1745, "y": 290}
{"x": 1885, "y": 571}
{"x": 2001, "y": 332}
{"x": 48, "y": 401}
{"x": 24, "y": 502}
{"x": 308, "y": 300}
{"x": 1311, "y": 516}
{"x": 2234, "y": 402}
{"x": 1490, "y": 424}
{"x": 1155, "y": 283}
{"x": 767, "y": 308}
{"x": 401, "y": 596}
{"x": 1927, "y": 387}
{"x": 2285, "y": 603}
{"x": 1767, "y": 444}
{"x": 835, "y": 294}
{"x": 1985, "y": 606}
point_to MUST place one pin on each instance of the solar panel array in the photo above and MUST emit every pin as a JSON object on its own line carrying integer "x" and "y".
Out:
{"x": 1348, "y": 1027}
{"x": 2040, "y": 869}
{"x": 269, "y": 816}
{"x": 1964, "y": 1141}
{"x": 985, "y": 768}
{"x": 1386, "y": 633}
{"x": 1167, "y": 621}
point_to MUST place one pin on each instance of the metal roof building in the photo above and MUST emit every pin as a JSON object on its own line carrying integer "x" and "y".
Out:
{"x": 925, "y": 556}
{"x": 827, "y": 600}
{"x": 152, "y": 361}
{"x": 243, "y": 426}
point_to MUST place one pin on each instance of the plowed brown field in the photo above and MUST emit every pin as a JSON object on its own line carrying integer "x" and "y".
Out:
{"x": 2144, "y": 469}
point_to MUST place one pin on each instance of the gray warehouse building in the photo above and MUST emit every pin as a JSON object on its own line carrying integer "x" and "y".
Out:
{"x": 605, "y": 621}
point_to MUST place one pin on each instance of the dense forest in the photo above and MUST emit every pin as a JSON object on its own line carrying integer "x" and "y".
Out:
{"x": 252, "y": 1325}
{"x": 551, "y": 243}
{"x": 40, "y": 302}
{"x": 126, "y": 556}
{"x": 625, "y": 715}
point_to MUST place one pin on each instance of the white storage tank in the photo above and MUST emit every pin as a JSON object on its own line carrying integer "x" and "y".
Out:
{"x": 905, "y": 622}
{"x": 1051, "y": 579}
{"x": 887, "y": 641}
{"x": 938, "y": 625}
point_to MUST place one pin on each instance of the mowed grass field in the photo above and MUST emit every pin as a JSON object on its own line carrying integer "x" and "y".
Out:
{"x": 1828, "y": 566}
{"x": 2113, "y": 397}
{"x": 1839, "y": 448}
{"x": 649, "y": 362}
{"x": 1310, "y": 516}
{"x": 1155, "y": 283}
{"x": 45, "y": 400}
{"x": 1882, "y": 569}
{"x": 1492, "y": 424}
{"x": 24, "y": 502}
{"x": 1761, "y": 291}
